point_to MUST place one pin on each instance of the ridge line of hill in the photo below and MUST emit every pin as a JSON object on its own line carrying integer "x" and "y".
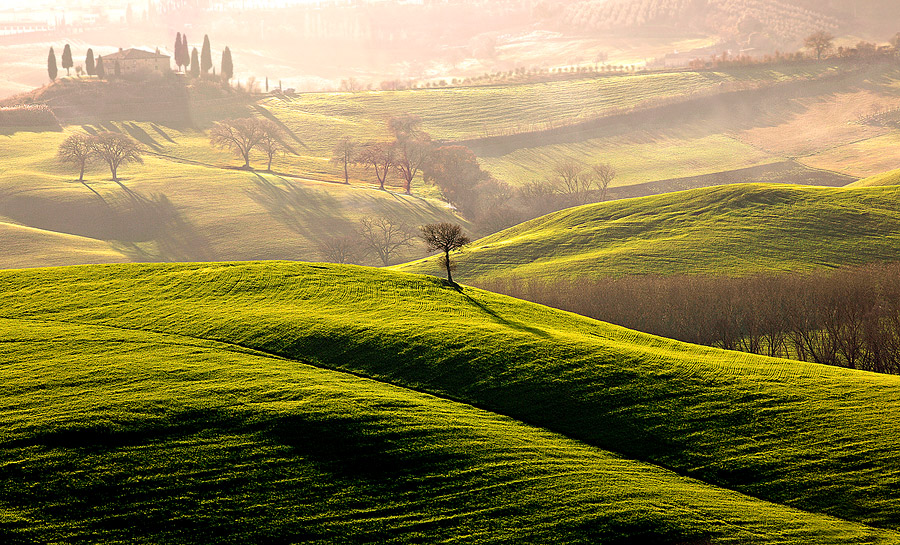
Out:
{"x": 238, "y": 348}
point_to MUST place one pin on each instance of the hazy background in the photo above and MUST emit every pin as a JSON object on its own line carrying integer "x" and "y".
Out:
{"x": 322, "y": 45}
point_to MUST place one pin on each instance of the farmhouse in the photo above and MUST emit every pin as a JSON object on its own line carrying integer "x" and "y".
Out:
{"x": 133, "y": 61}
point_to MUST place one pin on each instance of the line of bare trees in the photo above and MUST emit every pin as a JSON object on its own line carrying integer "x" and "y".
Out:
{"x": 848, "y": 317}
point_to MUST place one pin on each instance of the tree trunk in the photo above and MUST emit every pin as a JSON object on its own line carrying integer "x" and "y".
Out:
{"x": 115, "y": 177}
{"x": 269, "y": 169}
{"x": 447, "y": 264}
{"x": 346, "y": 174}
{"x": 81, "y": 175}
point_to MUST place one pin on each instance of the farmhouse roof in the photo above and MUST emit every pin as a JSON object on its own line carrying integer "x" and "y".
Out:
{"x": 133, "y": 54}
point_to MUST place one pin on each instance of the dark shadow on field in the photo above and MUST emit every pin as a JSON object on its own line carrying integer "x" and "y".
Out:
{"x": 287, "y": 130}
{"x": 9, "y": 131}
{"x": 146, "y": 228}
{"x": 162, "y": 133}
{"x": 306, "y": 211}
{"x": 497, "y": 317}
{"x": 142, "y": 136}
{"x": 785, "y": 172}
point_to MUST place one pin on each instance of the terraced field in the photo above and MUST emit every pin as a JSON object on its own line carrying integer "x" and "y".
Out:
{"x": 734, "y": 230}
{"x": 212, "y": 401}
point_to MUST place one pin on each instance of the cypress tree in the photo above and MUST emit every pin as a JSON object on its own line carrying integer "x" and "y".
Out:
{"x": 206, "y": 56}
{"x": 195, "y": 64}
{"x": 227, "y": 65}
{"x": 177, "y": 51}
{"x": 51, "y": 65}
{"x": 118, "y": 69}
{"x": 101, "y": 72}
{"x": 185, "y": 54}
{"x": 67, "y": 59}
{"x": 89, "y": 65}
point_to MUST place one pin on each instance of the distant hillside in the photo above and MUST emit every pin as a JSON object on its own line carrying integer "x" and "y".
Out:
{"x": 735, "y": 230}
{"x": 757, "y": 23}
{"x": 199, "y": 397}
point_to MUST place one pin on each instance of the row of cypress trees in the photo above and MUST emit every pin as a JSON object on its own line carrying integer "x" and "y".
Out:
{"x": 199, "y": 63}
{"x": 91, "y": 67}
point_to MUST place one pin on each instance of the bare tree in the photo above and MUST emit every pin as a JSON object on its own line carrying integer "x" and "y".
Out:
{"x": 819, "y": 41}
{"x": 239, "y": 136}
{"x": 340, "y": 249}
{"x": 572, "y": 179}
{"x": 413, "y": 147}
{"x": 384, "y": 237}
{"x": 344, "y": 153}
{"x": 445, "y": 237}
{"x": 116, "y": 150}
{"x": 271, "y": 143}
{"x": 604, "y": 174}
{"x": 381, "y": 157}
{"x": 77, "y": 149}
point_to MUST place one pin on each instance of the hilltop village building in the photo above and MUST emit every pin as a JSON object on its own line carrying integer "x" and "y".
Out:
{"x": 135, "y": 61}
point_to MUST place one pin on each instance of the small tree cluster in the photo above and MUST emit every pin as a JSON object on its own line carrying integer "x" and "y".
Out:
{"x": 242, "y": 136}
{"x": 112, "y": 148}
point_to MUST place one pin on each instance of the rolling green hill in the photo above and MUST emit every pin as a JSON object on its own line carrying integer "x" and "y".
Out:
{"x": 196, "y": 397}
{"x": 735, "y": 229}
{"x": 887, "y": 178}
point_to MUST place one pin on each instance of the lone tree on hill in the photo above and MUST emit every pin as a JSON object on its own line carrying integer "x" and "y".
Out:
{"x": 89, "y": 66}
{"x": 195, "y": 64}
{"x": 239, "y": 136}
{"x": 99, "y": 69}
{"x": 227, "y": 65}
{"x": 116, "y": 150}
{"x": 344, "y": 153}
{"x": 77, "y": 149}
{"x": 52, "y": 71}
{"x": 67, "y": 59}
{"x": 820, "y": 41}
{"x": 206, "y": 56}
{"x": 445, "y": 237}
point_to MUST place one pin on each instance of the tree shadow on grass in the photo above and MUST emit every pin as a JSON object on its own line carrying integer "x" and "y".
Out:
{"x": 309, "y": 212}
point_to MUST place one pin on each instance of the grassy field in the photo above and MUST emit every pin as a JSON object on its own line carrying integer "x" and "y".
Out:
{"x": 732, "y": 230}
{"x": 190, "y": 209}
{"x": 198, "y": 398}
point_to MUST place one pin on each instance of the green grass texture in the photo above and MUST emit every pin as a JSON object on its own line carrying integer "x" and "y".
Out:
{"x": 887, "y": 178}
{"x": 732, "y": 230}
{"x": 280, "y": 402}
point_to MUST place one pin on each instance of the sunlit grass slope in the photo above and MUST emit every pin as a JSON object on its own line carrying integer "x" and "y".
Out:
{"x": 123, "y": 435}
{"x": 735, "y": 229}
{"x": 122, "y": 347}
{"x": 887, "y": 178}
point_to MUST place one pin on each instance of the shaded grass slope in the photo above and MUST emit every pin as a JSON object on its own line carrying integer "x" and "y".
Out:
{"x": 734, "y": 229}
{"x": 815, "y": 438}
